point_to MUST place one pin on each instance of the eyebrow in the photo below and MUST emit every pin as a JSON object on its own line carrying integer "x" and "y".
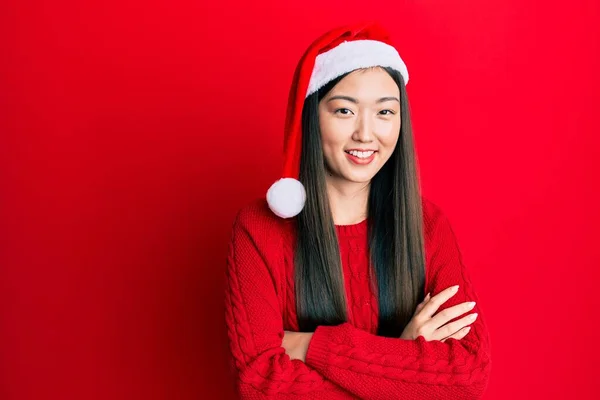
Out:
{"x": 355, "y": 101}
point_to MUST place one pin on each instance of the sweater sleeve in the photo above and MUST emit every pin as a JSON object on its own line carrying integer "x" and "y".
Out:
{"x": 260, "y": 365}
{"x": 375, "y": 367}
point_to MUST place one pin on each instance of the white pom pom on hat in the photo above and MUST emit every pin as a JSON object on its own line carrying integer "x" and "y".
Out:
{"x": 286, "y": 197}
{"x": 335, "y": 53}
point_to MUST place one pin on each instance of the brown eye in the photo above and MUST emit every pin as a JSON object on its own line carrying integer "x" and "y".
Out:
{"x": 343, "y": 109}
{"x": 390, "y": 112}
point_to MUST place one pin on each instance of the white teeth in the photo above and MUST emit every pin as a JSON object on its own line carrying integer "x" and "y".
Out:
{"x": 361, "y": 154}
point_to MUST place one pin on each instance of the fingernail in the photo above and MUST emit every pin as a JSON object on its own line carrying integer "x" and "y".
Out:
{"x": 455, "y": 288}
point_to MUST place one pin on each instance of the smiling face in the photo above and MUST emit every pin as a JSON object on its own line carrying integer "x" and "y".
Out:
{"x": 359, "y": 121}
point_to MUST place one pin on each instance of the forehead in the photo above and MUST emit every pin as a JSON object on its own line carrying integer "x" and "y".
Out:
{"x": 367, "y": 82}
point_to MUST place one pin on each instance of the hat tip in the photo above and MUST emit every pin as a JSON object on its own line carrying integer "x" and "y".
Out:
{"x": 286, "y": 197}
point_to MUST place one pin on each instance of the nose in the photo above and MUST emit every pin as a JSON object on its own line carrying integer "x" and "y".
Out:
{"x": 363, "y": 131}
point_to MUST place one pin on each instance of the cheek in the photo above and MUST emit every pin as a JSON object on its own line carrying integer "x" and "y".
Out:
{"x": 389, "y": 134}
{"x": 332, "y": 135}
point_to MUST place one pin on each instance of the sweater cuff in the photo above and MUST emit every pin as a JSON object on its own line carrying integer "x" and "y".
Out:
{"x": 318, "y": 353}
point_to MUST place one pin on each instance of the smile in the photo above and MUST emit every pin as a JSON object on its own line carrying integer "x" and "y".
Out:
{"x": 360, "y": 157}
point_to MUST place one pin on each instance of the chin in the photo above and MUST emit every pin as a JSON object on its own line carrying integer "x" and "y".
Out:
{"x": 356, "y": 174}
{"x": 359, "y": 178}
{"x": 363, "y": 177}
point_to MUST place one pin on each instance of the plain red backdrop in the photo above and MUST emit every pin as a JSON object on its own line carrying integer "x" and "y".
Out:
{"x": 131, "y": 133}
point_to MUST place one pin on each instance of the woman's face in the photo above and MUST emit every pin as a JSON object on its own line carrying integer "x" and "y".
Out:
{"x": 360, "y": 124}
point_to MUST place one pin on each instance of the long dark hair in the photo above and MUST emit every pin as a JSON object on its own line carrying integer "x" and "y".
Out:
{"x": 395, "y": 231}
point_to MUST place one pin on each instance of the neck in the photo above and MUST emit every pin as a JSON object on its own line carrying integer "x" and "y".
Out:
{"x": 348, "y": 200}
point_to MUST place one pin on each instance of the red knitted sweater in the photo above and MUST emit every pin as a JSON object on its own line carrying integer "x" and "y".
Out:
{"x": 349, "y": 360}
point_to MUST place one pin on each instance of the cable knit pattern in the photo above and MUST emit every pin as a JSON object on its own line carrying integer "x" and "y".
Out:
{"x": 346, "y": 361}
{"x": 355, "y": 262}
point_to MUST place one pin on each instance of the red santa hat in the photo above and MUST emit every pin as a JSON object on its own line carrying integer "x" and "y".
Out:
{"x": 335, "y": 53}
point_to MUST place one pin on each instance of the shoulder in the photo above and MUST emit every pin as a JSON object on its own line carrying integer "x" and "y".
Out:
{"x": 257, "y": 219}
{"x": 259, "y": 238}
{"x": 432, "y": 215}
{"x": 437, "y": 228}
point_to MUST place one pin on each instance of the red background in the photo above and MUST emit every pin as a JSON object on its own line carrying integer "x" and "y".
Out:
{"x": 131, "y": 132}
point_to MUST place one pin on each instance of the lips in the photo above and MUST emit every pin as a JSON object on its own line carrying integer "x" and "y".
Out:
{"x": 360, "y": 157}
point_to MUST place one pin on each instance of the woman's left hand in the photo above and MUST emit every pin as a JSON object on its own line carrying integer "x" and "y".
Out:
{"x": 296, "y": 344}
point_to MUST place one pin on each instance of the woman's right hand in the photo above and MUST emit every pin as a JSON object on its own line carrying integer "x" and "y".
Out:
{"x": 423, "y": 323}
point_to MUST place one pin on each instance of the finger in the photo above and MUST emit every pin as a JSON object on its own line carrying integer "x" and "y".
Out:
{"x": 455, "y": 326}
{"x": 458, "y": 335}
{"x": 436, "y": 301}
{"x": 419, "y": 308}
{"x": 443, "y": 317}
{"x": 422, "y": 304}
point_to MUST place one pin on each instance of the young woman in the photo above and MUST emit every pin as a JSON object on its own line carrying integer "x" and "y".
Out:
{"x": 345, "y": 282}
